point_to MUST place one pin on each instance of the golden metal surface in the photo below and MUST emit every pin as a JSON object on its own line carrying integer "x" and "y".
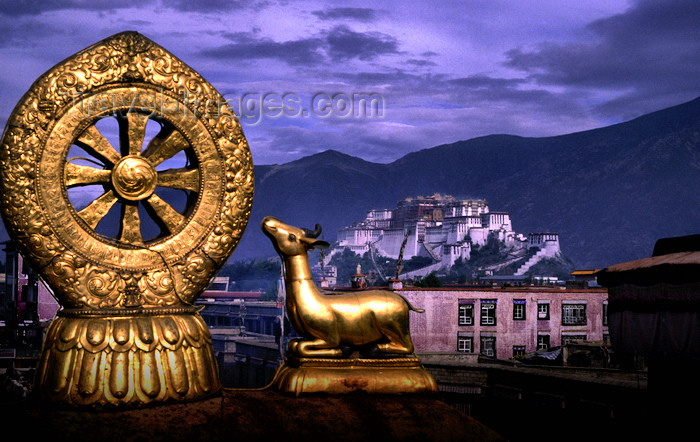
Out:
{"x": 135, "y": 83}
{"x": 127, "y": 359}
{"x": 332, "y": 323}
{"x": 328, "y": 321}
{"x": 134, "y": 178}
{"x": 399, "y": 375}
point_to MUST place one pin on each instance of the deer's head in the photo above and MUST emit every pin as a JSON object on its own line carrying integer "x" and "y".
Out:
{"x": 289, "y": 240}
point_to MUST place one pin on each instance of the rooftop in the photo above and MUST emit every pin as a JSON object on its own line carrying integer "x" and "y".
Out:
{"x": 256, "y": 415}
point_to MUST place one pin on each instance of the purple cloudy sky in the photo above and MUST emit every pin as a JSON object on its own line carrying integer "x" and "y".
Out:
{"x": 445, "y": 70}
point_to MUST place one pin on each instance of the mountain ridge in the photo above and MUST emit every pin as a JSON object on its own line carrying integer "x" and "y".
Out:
{"x": 609, "y": 192}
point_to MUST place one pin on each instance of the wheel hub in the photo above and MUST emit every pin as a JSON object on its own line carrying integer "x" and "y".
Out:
{"x": 134, "y": 178}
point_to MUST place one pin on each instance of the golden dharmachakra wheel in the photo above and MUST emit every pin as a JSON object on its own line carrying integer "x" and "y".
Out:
{"x": 93, "y": 211}
{"x": 152, "y": 234}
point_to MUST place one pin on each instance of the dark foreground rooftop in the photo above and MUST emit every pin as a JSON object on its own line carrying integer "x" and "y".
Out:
{"x": 255, "y": 415}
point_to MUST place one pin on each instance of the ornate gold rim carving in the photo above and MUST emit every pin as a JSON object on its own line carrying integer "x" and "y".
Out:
{"x": 126, "y": 312}
{"x": 354, "y": 362}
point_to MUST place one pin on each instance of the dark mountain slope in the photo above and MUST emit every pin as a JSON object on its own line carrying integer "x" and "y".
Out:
{"x": 609, "y": 192}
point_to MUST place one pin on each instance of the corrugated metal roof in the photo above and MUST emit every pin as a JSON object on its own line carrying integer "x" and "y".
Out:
{"x": 584, "y": 272}
{"x": 672, "y": 268}
{"x": 683, "y": 258}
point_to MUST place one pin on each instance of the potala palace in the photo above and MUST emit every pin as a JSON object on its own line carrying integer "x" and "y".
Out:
{"x": 444, "y": 229}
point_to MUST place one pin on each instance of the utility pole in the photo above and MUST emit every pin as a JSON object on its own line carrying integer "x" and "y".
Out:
{"x": 282, "y": 294}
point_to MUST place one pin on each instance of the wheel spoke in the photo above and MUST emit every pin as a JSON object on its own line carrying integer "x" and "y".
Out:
{"x": 97, "y": 209}
{"x": 131, "y": 225}
{"x": 160, "y": 149}
{"x": 170, "y": 217}
{"x": 78, "y": 175}
{"x": 132, "y": 132}
{"x": 94, "y": 142}
{"x": 183, "y": 178}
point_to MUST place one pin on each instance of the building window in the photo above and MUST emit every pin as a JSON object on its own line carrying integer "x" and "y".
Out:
{"x": 543, "y": 310}
{"x": 568, "y": 339}
{"x": 605, "y": 313}
{"x": 488, "y": 346}
{"x": 518, "y": 351}
{"x": 573, "y": 314}
{"x": 519, "y": 309}
{"x": 465, "y": 343}
{"x": 488, "y": 312}
{"x": 466, "y": 314}
{"x": 543, "y": 342}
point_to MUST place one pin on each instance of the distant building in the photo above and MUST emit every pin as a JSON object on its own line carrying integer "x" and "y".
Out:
{"x": 26, "y": 307}
{"x": 505, "y": 322}
{"x": 588, "y": 278}
{"x": 225, "y": 295}
{"x": 655, "y": 315}
{"x": 248, "y": 338}
{"x": 219, "y": 283}
{"x": 256, "y": 317}
{"x": 326, "y": 276}
{"x": 444, "y": 229}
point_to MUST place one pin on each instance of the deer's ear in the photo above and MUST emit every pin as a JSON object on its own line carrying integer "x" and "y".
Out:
{"x": 313, "y": 242}
{"x": 320, "y": 244}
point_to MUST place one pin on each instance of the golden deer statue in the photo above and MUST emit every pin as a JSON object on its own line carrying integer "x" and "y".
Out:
{"x": 330, "y": 323}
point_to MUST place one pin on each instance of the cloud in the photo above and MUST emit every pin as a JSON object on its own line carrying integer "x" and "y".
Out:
{"x": 13, "y": 31}
{"x": 337, "y": 44}
{"x": 420, "y": 63}
{"x": 35, "y": 7}
{"x": 211, "y": 5}
{"x": 485, "y": 82}
{"x": 343, "y": 43}
{"x": 246, "y": 47}
{"x": 359, "y": 14}
{"x": 645, "y": 58}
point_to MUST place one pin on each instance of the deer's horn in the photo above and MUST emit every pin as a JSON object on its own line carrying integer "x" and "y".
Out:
{"x": 313, "y": 234}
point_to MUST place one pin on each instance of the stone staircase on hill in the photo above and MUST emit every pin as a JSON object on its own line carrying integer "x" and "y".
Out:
{"x": 534, "y": 259}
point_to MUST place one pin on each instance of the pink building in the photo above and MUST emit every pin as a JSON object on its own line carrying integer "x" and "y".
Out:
{"x": 26, "y": 297}
{"x": 505, "y": 322}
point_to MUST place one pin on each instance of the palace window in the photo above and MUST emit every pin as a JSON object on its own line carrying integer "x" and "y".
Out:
{"x": 573, "y": 314}
{"x": 605, "y": 313}
{"x": 488, "y": 312}
{"x": 543, "y": 310}
{"x": 568, "y": 339}
{"x": 488, "y": 346}
{"x": 543, "y": 342}
{"x": 519, "y": 309}
{"x": 518, "y": 351}
{"x": 466, "y": 314}
{"x": 465, "y": 343}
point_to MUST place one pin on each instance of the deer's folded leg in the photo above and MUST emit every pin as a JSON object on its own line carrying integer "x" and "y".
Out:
{"x": 317, "y": 349}
{"x": 395, "y": 348}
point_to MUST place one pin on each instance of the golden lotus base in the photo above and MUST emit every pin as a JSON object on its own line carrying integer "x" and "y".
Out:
{"x": 307, "y": 375}
{"x": 127, "y": 358}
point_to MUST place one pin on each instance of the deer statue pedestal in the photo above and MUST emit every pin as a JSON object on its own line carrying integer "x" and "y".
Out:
{"x": 325, "y": 375}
